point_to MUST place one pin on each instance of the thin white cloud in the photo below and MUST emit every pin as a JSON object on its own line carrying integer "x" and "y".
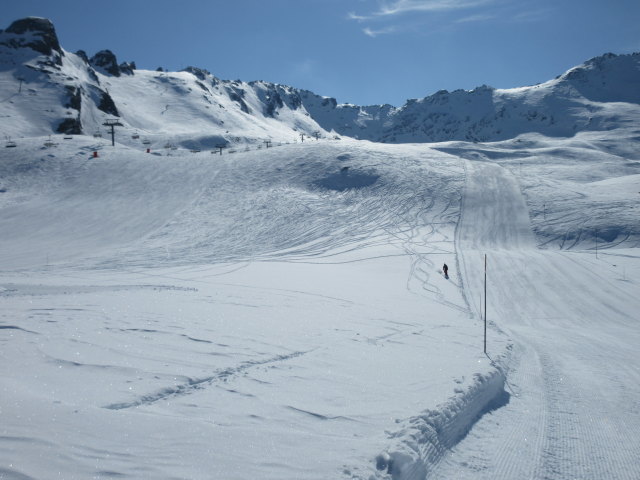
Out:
{"x": 382, "y": 31}
{"x": 394, "y": 9}
{"x": 475, "y": 18}
{"x": 398, "y": 7}
{"x": 359, "y": 18}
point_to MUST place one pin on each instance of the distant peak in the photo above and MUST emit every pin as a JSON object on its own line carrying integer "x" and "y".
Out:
{"x": 31, "y": 24}
{"x": 47, "y": 42}
{"x": 200, "y": 73}
{"x": 105, "y": 60}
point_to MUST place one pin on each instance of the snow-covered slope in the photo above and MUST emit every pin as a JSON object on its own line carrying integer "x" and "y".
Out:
{"x": 279, "y": 313}
{"x": 45, "y": 89}
{"x": 602, "y": 94}
{"x": 62, "y": 92}
{"x": 283, "y": 293}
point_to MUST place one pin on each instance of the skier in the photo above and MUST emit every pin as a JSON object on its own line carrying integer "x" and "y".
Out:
{"x": 445, "y": 269}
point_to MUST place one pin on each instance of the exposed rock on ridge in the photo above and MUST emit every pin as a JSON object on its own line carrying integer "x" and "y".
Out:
{"x": 36, "y": 33}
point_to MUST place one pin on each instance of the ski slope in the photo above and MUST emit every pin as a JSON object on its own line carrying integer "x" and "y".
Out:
{"x": 575, "y": 379}
{"x": 266, "y": 314}
{"x": 279, "y": 313}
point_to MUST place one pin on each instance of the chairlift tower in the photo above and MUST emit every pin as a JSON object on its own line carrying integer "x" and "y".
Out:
{"x": 112, "y": 124}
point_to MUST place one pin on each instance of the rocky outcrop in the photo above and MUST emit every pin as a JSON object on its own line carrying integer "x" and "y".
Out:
{"x": 105, "y": 62}
{"x": 237, "y": 95}
{"x": 35, "y": 33}
{"x": 127, "y": 67}
{"x": 199, "y": 73}
{"x": 107, "y": 105}
{"x": 70, "y": 126}
{"x": 75, "y": 97}
{"x": 83, "y": 55}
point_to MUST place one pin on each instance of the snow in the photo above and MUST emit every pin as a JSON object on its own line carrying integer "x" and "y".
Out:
{"x": 573, "y": 318}
{"x": 182, "y": 315}
{"x": 280, "y": 313}
{"x": 248, "y": 316}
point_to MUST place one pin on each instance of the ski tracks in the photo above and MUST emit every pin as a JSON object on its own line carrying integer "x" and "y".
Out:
{"x": 198, "y": 384}
{"x": 591, "y": 432}
{"x": 574, "y": 374}
{"x": 503, "y": 444}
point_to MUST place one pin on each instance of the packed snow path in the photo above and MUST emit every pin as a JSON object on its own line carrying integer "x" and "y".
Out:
{"x": 575, "y": 379}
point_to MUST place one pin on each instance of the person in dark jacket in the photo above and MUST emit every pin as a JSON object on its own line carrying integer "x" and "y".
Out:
{"x": 445, "y": 269}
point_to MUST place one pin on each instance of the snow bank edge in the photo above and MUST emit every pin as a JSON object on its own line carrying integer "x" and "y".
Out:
{"x": 424, "y": 439}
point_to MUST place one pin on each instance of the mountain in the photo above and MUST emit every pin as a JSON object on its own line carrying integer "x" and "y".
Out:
{"x": 45, "y": 89}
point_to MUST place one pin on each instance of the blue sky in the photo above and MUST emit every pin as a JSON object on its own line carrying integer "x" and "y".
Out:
{"x": 358, "y": 51}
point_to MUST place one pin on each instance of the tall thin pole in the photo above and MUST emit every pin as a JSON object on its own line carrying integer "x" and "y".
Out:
{"x": 485, "y": 303}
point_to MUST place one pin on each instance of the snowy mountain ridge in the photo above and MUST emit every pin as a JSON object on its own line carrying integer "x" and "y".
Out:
{"x": 47, "y": 90}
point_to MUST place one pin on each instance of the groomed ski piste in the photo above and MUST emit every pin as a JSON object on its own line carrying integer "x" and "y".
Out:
{"x": 280, "y": 313}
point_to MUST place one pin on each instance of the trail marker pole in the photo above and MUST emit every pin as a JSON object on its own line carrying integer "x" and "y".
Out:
{"x": 485, "y": 303}
{"x": 596, "y": 243}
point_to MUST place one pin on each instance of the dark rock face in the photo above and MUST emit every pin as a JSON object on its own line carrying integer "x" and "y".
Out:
{"x": 332, "y": 102}
{"x": 107, "y": 105}
{"x": 75, "y": 97}
{"x": 105, "y": 60}
{"x": 274, "y": 97}
{"x": 272, "y": 102}
{"x": 199, "y": 73}
{"x": 42, "y": 35}
{"x": 289, "y": 96}
{"x": 127, "y": 68}
{"x": 70, "y": 126}
{"x": 237, "y": 95}
{"x": 83, "y": 55}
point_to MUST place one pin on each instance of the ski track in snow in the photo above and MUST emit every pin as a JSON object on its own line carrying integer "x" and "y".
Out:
{"x": 572, "y": 415}
{"x": 199, "y": 383}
